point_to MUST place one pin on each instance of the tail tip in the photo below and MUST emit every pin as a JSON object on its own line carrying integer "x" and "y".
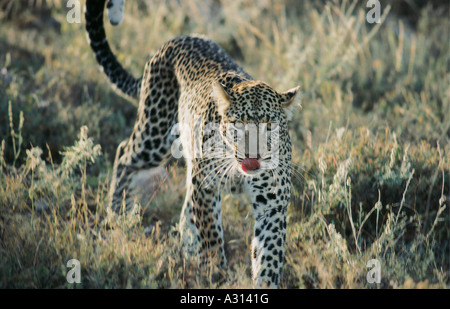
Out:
{"x": 115, "y": 11}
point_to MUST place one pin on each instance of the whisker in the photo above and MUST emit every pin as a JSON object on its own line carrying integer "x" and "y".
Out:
{"x": 294, "y": 172}
{"x": 225, "y": 174}
{"x": 297, "y": 165}
{"x": 215, "y": 170}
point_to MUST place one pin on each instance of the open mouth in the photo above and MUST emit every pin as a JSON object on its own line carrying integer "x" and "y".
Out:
{"x": 249, "y": 164}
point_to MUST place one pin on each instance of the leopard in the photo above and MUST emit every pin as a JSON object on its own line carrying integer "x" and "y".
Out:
{"x": 222, "y": 115}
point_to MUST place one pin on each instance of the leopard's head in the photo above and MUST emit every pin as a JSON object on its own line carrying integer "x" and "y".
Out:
{"x": 253, "y": 124}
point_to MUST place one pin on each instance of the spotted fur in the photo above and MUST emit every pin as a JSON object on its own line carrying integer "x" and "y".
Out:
{"x": 192, "y": 81}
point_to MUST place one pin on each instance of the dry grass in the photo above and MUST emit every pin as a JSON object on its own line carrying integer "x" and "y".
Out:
{"x": 371, "y": 145}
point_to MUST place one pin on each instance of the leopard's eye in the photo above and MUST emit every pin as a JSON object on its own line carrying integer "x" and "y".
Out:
{"x": 239, "y": 124}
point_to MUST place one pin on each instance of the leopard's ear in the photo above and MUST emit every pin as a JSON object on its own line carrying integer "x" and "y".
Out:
{"x": 221, "y": 97}
{"x": 291, "y": 101}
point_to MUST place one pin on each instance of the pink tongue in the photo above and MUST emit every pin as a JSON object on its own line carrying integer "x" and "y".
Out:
{"x": 250, "y": 164}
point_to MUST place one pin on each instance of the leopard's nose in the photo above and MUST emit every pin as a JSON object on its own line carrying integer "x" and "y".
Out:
{"x": 247, "y": 155}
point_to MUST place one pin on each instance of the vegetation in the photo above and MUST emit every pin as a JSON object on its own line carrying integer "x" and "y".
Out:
{"x": 371, "y": 145}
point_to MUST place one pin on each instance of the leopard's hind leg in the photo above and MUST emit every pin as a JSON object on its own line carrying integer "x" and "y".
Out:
{"x": 150, "y": 142}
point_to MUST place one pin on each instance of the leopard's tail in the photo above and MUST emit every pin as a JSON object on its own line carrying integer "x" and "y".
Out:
{"x": 126, "y": 83}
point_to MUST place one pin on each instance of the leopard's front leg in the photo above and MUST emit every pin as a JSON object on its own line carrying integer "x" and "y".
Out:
{"x": 268, "y": 244}
{"x": 200, "y": 221}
